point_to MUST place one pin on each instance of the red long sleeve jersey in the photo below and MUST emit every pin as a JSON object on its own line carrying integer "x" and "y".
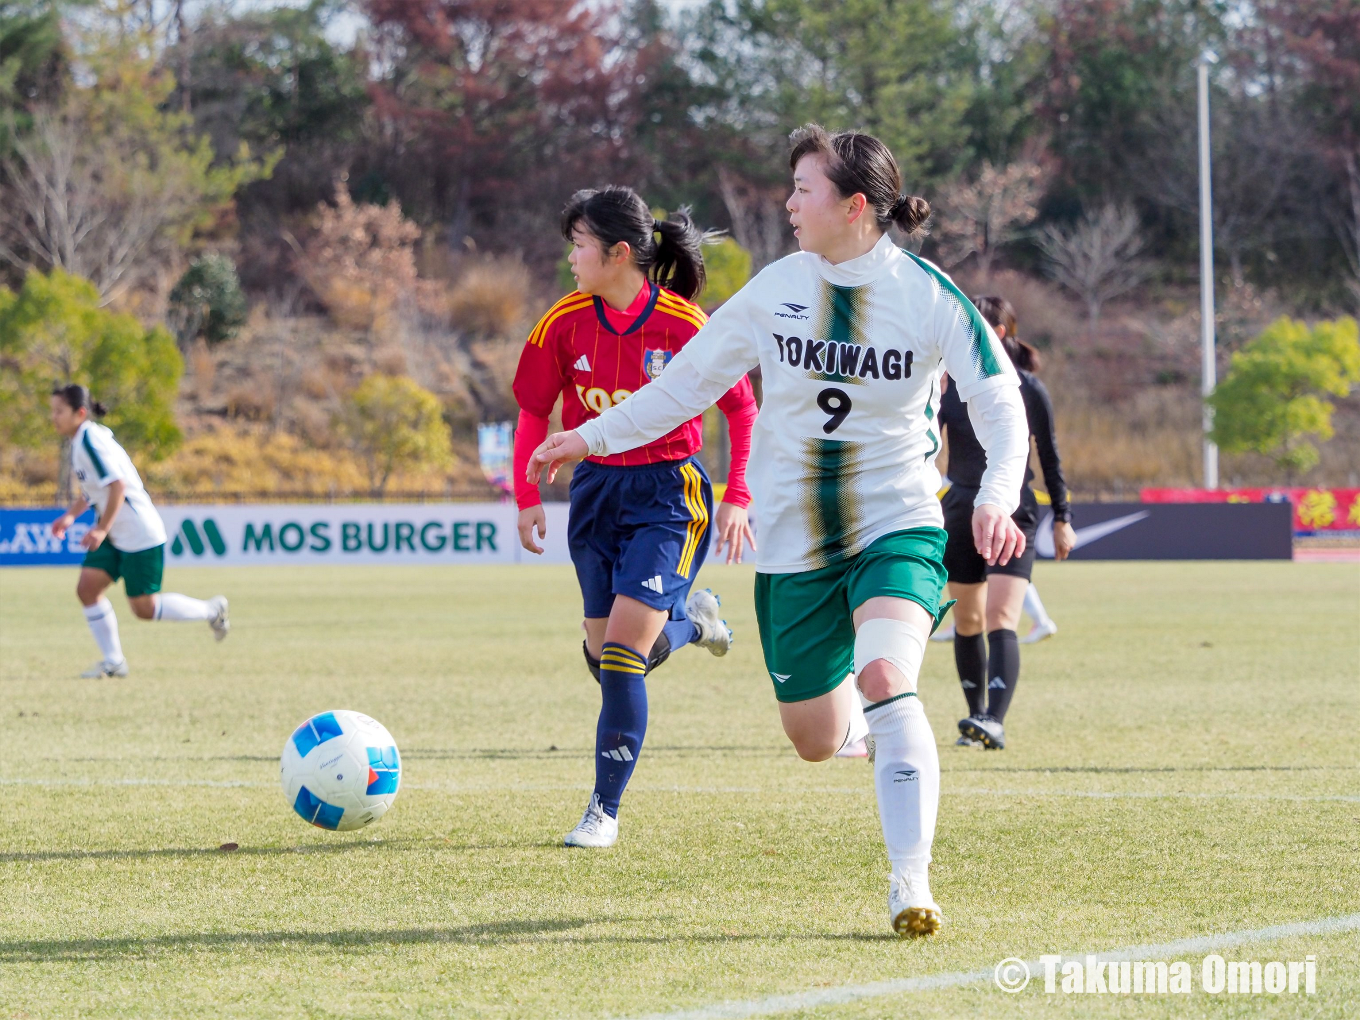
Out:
{"x": 575, "y": 351}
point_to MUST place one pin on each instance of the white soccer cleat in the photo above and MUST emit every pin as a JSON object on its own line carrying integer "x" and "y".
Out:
{"x": 702, "y": 609}
{"x": 596, "y": 829}
{"x": 1039, "y": 632}
{"x": 221, "y": 623}
{"x": 944, "y": 633}
{"x": 102, "y": 669}
{"x": 911, "y": 909}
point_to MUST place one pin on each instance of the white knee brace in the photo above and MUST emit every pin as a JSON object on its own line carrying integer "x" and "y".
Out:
{"x": 894, "y": 640}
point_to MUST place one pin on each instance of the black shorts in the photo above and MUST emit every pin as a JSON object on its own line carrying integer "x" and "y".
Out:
{"x": 961, "y": 558}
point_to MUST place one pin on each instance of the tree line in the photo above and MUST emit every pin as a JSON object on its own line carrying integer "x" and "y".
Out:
{"x": 169, "y": 158}
{"x": 170, "y": 124}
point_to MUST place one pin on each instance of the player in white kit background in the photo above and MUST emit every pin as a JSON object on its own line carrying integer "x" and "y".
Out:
{"x": 851, "y": 335}
{"x": 127, "y": 539}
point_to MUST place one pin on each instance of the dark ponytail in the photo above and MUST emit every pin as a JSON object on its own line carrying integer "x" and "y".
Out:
{"x": 615, "y": 214}
{"x": 77, "y": 396}
{"x": 1000, "y": 312}
{"x": 860, "y": 164}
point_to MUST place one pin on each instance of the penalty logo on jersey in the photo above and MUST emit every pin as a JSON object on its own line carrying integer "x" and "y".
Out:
{"x": 655, "y": 362}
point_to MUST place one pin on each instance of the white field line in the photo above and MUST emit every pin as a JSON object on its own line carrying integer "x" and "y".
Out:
{"x": 646, "y": 788}
{"x": 852, "y": 993}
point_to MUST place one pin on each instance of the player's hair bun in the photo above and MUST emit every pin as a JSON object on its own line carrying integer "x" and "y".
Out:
{"x": 910, "y": 213}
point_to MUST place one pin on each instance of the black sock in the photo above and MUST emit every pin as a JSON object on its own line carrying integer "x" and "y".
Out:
{"x": 1003, "y": 667}
{"x": 970, "y": 656}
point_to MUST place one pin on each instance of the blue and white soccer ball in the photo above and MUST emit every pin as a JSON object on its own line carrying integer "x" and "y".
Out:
{"x": 340, "y": 770}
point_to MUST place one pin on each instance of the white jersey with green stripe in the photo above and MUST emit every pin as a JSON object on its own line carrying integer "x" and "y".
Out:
{"x": 98, "y": 461}
{"x": 851, "y": 357}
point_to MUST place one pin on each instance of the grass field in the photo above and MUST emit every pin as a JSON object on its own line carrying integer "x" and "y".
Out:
{"x": 1182, "y": 763}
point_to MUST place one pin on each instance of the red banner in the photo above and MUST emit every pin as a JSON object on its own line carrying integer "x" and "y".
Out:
{"x": 1316, "y": 511}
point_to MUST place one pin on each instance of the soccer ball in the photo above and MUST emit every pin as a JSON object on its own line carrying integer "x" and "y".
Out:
{"x": 340, "y": 770}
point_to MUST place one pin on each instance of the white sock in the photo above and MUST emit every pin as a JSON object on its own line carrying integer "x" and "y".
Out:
{"x": 173, "y": 606}
{"x": 907, "y": 782}
{"x": 104, "y": 626}
{"x": 1034, "y": 606}
{"x": 859, "y": 726}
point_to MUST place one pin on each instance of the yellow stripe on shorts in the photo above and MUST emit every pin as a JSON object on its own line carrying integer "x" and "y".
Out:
{"x": 698, "y": 523}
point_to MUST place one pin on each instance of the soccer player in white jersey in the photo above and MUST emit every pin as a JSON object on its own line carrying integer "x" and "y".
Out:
{"x": 127, "y": 540}
{"x": 851, "y": 335}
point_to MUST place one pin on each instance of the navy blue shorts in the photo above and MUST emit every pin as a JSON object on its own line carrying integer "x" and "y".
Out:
{"x": 639, "y": 531}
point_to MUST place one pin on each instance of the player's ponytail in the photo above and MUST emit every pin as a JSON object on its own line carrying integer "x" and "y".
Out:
{"x": 668, "y": 251}
{"x": 860, "y": 164}
{"x": 77, "y": 396}
{"x": 1000, "y": 312}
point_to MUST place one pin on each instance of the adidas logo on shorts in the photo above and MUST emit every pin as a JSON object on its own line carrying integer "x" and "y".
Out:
{"x": 618, "y": 754}
{"x": 654, "y": 583}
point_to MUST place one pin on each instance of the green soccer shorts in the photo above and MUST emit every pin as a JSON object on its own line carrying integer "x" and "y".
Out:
{"x": 805, "y": 618}
{"x": 141, "y": 571}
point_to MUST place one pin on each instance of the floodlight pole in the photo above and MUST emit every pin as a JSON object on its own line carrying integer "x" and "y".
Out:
{"x": 1208, "y": 378}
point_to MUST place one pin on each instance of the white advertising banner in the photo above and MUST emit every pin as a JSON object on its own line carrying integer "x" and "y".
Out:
{"x": 230, "y": 535}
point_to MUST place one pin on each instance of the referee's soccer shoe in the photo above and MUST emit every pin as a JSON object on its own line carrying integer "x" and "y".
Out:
{"x": 911, "y": 908}
{"x": 703, "y": 608}
{"x": 985, "y": 729}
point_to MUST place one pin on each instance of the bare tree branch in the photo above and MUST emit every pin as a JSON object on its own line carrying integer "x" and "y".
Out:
{"x": 1097, "y": 259}
{"x": 759, "y": 222}
{"x": 982, "y": 215}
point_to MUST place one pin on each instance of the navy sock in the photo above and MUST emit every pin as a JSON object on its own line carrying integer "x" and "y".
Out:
{"x": 679, "y": 633}
{"x": 1003, "y": 666}
{"x": 623, "y": 722}
{"x": 970, "y": 656}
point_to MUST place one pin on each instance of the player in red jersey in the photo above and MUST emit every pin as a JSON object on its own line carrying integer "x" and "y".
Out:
{"x": 639, "y": 521}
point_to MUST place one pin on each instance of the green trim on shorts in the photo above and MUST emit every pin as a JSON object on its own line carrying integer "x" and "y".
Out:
{"x": 805, "y": 617}
{"x": 141, "y": 571}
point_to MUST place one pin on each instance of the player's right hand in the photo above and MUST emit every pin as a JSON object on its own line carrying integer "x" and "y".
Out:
{"x": 558, "y": 449}
{"x": 60, "y": 525}
{"x": 996, "y": 535}
{"x": 531, "y": 519}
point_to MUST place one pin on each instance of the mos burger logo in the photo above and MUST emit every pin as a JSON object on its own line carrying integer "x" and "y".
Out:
{"x": 189, "y": 533}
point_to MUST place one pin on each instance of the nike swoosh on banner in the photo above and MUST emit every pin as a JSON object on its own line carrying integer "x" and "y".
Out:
{"x": 1043, "y": 541}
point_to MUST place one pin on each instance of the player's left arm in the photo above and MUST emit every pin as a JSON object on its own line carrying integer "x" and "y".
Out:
{"x": 94, "y": 538}
{"x": 733, "y": 519}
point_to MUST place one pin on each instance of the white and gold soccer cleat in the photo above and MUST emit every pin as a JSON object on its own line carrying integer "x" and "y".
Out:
{"x": 911, "y": 909}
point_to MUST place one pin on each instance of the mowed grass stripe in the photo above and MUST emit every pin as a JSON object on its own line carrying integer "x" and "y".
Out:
{"x": 1161, "y": 747}
{"x": 639, "y": 788}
